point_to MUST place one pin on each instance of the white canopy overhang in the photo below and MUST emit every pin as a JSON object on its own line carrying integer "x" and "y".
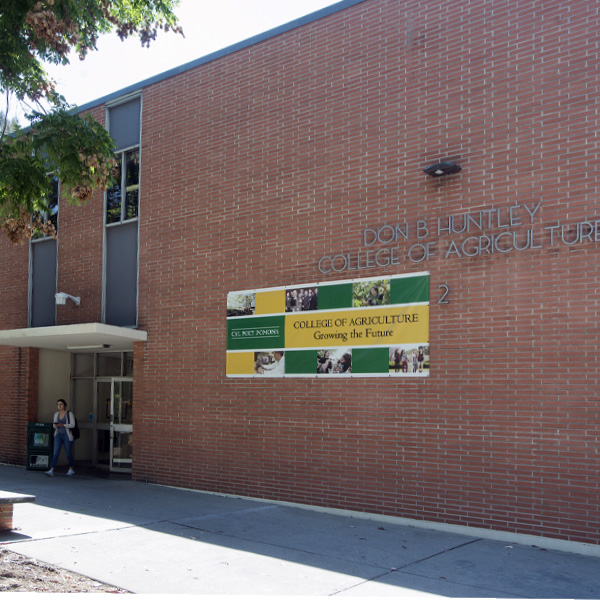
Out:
{"x": 84, "y": 337}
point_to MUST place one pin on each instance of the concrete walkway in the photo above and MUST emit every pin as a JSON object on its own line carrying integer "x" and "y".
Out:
{"x": 152, "y": 539}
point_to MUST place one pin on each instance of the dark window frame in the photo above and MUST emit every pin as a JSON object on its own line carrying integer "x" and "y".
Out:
{"x": 119, "y": 208}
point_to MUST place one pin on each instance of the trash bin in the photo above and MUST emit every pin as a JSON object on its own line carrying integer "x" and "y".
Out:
{"x": 40, "y": 441}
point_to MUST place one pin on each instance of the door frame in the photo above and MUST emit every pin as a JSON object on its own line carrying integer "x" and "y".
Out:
{"x": 110, "y": 426}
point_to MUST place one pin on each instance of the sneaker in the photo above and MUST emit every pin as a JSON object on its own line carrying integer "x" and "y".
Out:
{"x": 70, "y": 472}
{"x": 50, "y": 473}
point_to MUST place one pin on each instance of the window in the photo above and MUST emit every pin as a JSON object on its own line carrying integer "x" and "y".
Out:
{"x": 52, "y": 214}
{"x": 43, "y": 265}
{"x": 122, "y": 216}
{"x": 123, "y": 198}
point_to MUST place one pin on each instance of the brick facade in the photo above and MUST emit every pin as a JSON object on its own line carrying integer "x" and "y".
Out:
{"x": 258, "y": 163}
{"x": 18, "y": 367}
{"x": 19, "y": 401}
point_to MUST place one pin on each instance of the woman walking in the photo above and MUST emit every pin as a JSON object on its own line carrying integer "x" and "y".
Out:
{"x": 64, "y": 421}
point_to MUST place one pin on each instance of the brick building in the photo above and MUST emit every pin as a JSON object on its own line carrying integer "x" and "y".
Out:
{"x": 295, "y": 162}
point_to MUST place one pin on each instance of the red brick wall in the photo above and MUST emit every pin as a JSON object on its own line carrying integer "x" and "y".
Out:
{"x": 80, "y": 255}
{"x": 257, "y": 164}
{"x": 6, "y": 516}
{"x": 18, "y": 368}
{"x": 14, "y": 269}
{"x": 19, "y": 400}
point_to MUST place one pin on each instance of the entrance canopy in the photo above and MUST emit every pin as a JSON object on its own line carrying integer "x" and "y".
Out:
{"x": 84, "y": 337}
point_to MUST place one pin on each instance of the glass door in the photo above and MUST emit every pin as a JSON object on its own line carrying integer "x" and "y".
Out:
{"x": 103, "y": 421}
{"x": 114, "y": 423}
{"x": 122, "y": 425}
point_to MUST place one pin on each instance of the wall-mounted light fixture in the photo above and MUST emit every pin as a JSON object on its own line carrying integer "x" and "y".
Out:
{"x": 61, "y": 298}
{"x": 442, "y": 168}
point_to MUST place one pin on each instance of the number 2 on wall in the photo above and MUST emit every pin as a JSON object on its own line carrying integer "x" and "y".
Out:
{"x": 445, "y": 291}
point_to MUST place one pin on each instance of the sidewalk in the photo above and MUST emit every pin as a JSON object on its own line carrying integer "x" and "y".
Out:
{"x": 152, "y": 539}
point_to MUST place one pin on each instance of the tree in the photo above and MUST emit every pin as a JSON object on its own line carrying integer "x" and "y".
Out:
{"x": 9, "y": 125}
{"x": 59, "y": 142}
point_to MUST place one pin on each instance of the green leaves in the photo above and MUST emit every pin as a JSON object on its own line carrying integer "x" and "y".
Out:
{"x": 74, "y": 148}
{"x": 61, "y": 143}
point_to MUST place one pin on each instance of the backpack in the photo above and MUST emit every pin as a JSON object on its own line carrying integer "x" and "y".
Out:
{"x": 74, "y": 430}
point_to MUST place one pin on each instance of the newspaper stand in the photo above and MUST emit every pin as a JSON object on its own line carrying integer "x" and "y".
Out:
{"x": 40, "y": 441}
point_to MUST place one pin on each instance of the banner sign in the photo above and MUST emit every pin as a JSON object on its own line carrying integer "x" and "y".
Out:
{"x": 376, "y": 327}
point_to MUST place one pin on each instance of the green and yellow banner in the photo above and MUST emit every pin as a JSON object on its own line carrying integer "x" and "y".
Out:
{"x": 361, "y": 327}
